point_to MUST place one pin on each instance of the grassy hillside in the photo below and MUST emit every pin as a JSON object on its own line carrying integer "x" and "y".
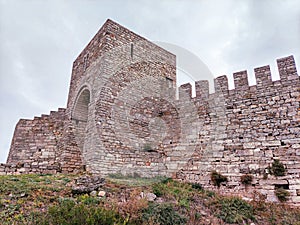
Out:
{"x": 48, "y": 199}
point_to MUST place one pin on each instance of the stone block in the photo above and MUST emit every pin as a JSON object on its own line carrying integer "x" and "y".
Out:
{"x": 233, "y": 169}
{"x": 294, "y": 187}
{"x": 272, "y": 182}
{"x": 295, "y": 199}
{"x": 271, "y": 143}
{"x": 251, "y": 144}
{"x": 296, "y": 146}
{"x": 294, "y": 181}
{"x": 271, "y": 198}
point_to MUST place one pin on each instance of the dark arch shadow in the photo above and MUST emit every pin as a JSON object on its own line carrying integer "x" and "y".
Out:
{"x": 80, "y": 116}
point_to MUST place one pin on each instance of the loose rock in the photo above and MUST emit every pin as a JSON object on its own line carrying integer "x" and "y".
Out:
{"x": 87, "y": 184}
{"x": 101, "y": 193}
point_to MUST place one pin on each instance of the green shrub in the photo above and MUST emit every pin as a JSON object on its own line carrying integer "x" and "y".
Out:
{"x": 157, "y": 190}
{"x": 164, "y": 187}
{"x": 88, "y": 200}
{"x": 70, "y": 212}
{"x": 282, "y": 194}
{"x": 176, "y": 191}
{"x": 277, "y": 169}
{"x": 233, "y": 210}
{"x": 66, "y": 180}
{"x": 167, "y": 180}
{"x": 197, "y": 186}
{"x": 210, "y": 193}
{"x": 184, "y": 202}
{"x": 246, "y": 179}
{"x": 162, "y": 214}
{"x": 217, "y": 178}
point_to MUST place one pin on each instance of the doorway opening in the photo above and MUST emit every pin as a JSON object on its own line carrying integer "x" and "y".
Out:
{"x": 80, "y": 116}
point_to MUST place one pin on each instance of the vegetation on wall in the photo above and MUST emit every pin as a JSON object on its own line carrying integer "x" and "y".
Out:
{"x": 277, "y": 169}
{"x": 217, "y": 178}
{"x": 246, "y": 179}
{"x": 282, "y": 194}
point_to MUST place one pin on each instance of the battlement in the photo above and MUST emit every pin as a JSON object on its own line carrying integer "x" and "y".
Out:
{"x": 288, "y": 77}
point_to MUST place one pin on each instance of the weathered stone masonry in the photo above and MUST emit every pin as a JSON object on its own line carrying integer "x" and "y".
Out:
{"x": 122, "y": 116}
{"x": 44, "y": 145}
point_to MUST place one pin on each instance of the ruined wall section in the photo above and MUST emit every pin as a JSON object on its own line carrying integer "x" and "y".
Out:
{"x": 41, "y": 146}
{"x": 262, "y": 123}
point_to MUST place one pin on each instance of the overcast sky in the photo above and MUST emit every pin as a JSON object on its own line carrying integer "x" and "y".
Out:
{"x": 39, "y": 40}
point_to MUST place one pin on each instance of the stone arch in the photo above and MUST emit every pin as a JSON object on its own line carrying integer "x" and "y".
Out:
{"x": 80, "y": 114}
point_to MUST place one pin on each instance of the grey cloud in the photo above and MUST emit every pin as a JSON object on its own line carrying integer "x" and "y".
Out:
{"x": 40, "y": 39}
{"x": 267, "y": 28}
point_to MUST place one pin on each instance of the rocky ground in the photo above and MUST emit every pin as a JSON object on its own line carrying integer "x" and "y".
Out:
{"x": 85, "y": 199}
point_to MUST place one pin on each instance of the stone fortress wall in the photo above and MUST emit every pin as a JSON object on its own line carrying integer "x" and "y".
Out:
{"x": 123, "y": 117}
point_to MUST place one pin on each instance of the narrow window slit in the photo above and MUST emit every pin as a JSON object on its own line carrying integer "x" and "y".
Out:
{"x": 85, "y": 61}
{"x": 131, "y": 50}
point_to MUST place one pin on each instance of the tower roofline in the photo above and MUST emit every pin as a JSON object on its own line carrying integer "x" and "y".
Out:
{"x": 106, "y": 27}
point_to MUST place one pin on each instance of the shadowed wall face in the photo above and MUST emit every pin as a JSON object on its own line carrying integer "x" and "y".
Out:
{"x": 80, "y": 116}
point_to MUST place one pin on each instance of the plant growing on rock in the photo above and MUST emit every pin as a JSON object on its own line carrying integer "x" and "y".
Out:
{"x": 162, "y": 214}
{"x": 217, "y": 178}
{"x": 282, "y": 194}
{"x": 246, "y": 179}
{"x": 277, "y": 169}
{"x": 233, "y": 210}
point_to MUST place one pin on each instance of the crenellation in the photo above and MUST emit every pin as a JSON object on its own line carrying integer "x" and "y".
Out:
{"x": 287, "y": 69}
{"x": 221, "y": 85}
{"x": 241, "y": 80}
{"x": 185, "y": 90}
{"x": 122, "y": 116}
{"x": 263, "y": 76}
{"x": 202, "y": 90}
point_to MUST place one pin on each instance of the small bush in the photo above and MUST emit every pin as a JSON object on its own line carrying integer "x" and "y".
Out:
{"x": 233, "y": 210}
{"x": 175, "y": 191}
{"x": 164, "y": 187}
{"x": 162, "y": 214}
{"x": 70, "y": 212}
{"x": 166, "y": 180}
{"x": 217, "y": 178}
{"x": 282, "y": 194}
{"x": 157, "y": 190}
{"x": 197, "y": 186}
{"x": 132, "y": 207}
{"x": 210, "y": 193}
{"x": 259, "y": 201}
{"x": 246, "y": 179}
{"x": 88, "y": 200}
{"x": 277, "y": 169}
